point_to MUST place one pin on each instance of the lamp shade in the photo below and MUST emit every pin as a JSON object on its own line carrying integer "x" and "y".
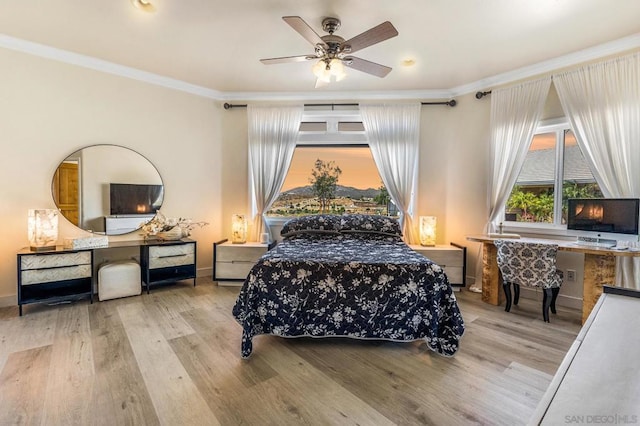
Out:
{"x": 238, "y": 229}
{"x": 42, "y": 228}
{"x": 428, "y": 230}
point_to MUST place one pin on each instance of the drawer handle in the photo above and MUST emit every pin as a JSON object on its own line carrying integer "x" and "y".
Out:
{"x": 173, "y": 255}
{"x": 56, "y": 267}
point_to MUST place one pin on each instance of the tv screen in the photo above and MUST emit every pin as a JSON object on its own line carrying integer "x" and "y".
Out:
{"x": 609, "y": 215}
{"x": 128, "y": 198}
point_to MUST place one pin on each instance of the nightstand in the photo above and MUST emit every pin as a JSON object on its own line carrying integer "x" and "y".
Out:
{"x": 452, "y": 258}
{"x": 232, "y": 262}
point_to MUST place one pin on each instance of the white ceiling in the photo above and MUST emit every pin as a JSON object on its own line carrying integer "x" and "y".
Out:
{"x": 217, "y": 44}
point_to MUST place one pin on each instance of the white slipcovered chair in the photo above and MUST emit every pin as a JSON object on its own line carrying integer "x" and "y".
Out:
{"x": 531, "y": 265}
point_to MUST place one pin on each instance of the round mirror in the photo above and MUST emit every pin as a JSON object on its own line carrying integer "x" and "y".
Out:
{"x": 107, "y": 189}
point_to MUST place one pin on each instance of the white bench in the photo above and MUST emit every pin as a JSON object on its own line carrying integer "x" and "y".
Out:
{"x": 599, "y": 379}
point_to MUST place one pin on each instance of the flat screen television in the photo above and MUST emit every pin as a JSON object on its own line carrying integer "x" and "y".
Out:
{"x": 615, "y": 218}
{"x": 131, "y": 199}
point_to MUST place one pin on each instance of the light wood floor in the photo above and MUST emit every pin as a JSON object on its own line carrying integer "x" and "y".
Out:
{"x": 173, "y": 358}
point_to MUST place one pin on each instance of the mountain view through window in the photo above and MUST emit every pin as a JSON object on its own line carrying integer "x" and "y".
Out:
{"x": 332, "y": 180}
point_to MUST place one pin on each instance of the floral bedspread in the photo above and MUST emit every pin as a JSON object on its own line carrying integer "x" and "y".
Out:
{"x": 356, "y": 285}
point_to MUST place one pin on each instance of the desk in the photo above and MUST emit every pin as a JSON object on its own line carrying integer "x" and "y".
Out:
{"x": 599, "y": 269}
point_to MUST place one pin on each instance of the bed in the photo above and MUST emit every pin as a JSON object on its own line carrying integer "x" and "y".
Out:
{"x": 348, "y": 276}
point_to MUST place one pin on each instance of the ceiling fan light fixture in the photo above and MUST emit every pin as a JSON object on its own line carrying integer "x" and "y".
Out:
{"x": 321, "y": 71}
{"x": 144, "y": 5}
{"x": 337, "y": 69}
{"x": 324, "y": 71}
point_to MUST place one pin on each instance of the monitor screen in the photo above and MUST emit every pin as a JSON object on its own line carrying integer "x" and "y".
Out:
{"x": 127, "y": 198}
{"x": 607, "y": 215}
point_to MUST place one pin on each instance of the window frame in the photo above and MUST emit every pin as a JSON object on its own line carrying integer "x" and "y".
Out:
{"x": 559, "y": 126}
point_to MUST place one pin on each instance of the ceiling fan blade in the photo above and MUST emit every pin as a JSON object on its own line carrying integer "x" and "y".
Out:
{"x": 379, "y": 33}
{"x": 298, "y": 24}
{"x": 287, "y": 59}
{"x": 366, "y": 66}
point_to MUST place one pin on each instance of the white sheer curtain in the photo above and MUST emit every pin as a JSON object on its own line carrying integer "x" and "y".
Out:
{"x": 515, "y": 112}
{"x": 602, "y": 102}
{"x": 393, "y": 131}
{"x": 273, "y": 131}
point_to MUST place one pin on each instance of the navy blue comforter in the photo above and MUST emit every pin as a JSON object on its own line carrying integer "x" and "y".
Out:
{"x": 357, "y": 285}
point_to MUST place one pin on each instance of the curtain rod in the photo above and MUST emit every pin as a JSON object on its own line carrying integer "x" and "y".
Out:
{"x": 450, "y": 103}
{"x": 480, "y": 95}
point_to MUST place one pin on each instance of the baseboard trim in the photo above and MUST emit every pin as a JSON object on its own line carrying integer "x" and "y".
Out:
{"x": 11, "y": 300}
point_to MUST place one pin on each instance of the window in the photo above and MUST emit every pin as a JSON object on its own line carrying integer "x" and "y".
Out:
{"x": 336, "y": 138}
{"x": 553, "y": 171}
{"x": 358, "y": 186}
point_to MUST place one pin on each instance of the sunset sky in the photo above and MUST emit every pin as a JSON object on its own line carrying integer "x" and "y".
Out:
{"x": 357, "y": 165}
{"x": 548, "y": 141}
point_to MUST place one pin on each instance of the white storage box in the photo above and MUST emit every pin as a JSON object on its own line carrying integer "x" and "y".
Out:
{"x": 119, "y": 279}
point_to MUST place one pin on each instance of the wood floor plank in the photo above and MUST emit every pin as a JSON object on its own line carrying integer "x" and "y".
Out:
{"x": 27, "y": 332}
{"x": 162, "y": 312}
{"x": 120, "y": 396}
{"x": 71, "y": 378}
{"x": 175, "y": 397}
{"x": 23, "y": 386}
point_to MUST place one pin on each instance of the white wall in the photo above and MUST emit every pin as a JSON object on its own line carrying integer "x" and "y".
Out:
{"x": 50, "y": 109}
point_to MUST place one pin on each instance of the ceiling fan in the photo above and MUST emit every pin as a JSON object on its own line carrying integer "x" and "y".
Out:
{"x": 333, "y": 52}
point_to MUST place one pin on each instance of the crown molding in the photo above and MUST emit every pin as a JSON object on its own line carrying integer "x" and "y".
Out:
{"x": 65, "y": 56}
{"x": 596, "y": 52}
{"x": 572, "y": 59}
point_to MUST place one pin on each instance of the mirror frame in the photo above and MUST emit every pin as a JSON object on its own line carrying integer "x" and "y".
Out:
{"x": 128, "y": 223}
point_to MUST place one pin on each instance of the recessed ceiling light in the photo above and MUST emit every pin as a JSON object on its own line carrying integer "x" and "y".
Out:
{"x": 408, "y": 62}
{"x": 144, "y": 5}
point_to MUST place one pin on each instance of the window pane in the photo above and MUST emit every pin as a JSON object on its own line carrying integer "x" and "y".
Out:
{"x": 358, "y": 188}
{"x": 578, "y": 181}
{"x": 531, "y": 199}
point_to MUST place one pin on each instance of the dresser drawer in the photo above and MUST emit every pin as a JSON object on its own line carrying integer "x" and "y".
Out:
{"x": 233, "y": 270}
{"x": 239, "y": 253}
{"x": 454, "y": 273}
{"x": 172, "y": 255}
{"x": 444, "y": 257}
{"x": 38, "y": 276}
{"x": 171, "y": 250}
{"x": 43, "y": 261}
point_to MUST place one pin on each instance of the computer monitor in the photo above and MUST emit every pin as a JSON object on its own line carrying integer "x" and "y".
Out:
{"x": 606, "y": 218}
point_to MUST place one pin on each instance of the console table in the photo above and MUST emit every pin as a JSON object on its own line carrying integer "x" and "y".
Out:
{"x": 64, "y": 274}
{"x": 599, "y": 269}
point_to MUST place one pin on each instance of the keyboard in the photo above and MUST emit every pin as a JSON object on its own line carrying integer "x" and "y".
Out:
{"x": 596, "y": 242}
